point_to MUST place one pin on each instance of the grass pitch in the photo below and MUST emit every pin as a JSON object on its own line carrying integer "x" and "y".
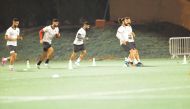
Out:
{"x": 160, "y": 84}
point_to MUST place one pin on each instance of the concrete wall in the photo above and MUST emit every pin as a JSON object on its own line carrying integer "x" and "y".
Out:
{"x": 142, "y": 11}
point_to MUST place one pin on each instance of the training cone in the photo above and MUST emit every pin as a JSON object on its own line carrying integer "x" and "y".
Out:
{"x": 28, "y": 64}
{"x": 70, "y": 65}
{"x": 93, "y": 62}
{"x": 184, "y": 60}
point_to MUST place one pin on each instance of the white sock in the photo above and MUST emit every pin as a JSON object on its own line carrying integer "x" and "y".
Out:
{"x": 129, "y": 60}
{"x": 11, "y": 66}
{"x": 78, "y": 60}
{"x": 70, "y": 64}
{"x": 135, "y": 61}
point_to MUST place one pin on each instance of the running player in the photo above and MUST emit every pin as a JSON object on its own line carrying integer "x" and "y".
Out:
{"x": 134, "y": 54}
{"x": 46, "y": 35}
{"x": 12, "y": 35}
{"x": 126, "y": 37}
{"x": 79, "y": 45}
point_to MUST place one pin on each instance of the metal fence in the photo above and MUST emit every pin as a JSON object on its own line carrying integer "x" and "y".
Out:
{"x": 179, "y": 46}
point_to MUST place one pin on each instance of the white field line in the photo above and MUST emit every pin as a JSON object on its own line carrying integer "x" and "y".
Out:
{"x": 69, "y": 75}
{"x": 109, "y": 95}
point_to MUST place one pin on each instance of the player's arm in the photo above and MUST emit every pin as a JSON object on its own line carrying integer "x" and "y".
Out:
{"x": 86, "y": 38}
{"x": 41, "y": 33}
{"x": 7, "y": 36}
{"x": 119, "y": 36}
{"x": 9, "y": 39}
{"x": 58, "y": 35}
{"x": 80, "y": 36}
{"x": 133, "y": 34}
{"x": 19, "y": 38}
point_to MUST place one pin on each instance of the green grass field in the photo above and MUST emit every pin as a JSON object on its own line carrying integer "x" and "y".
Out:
{"x": 160, "y": 84}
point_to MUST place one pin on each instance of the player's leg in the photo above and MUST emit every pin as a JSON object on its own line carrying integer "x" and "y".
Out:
{"x": 42, "y": 58}
{"x": 73, "y": 56}
{"x": 126, "y": 49}
{"x": 50, "y": 52}
{"x": 44, "y": 54}
{"x": 134, "y": 53}
{"x": 13, "y": 56}
{"x": 11, "y": 66}
{"x": 132, "y": 56}
{"x": 137, "y": 56}
{"x": 72, "y": 59}
{"x": 4, "y": 60}
{"x": 82, "y": 54}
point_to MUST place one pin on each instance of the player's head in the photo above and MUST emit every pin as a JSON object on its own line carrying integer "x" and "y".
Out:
{"x": 124, "y": 21}
{"x": 15, "y": 22}
{"x": 127, "y": 21}
{"x": 86, "y": 25}
{"x": 55, "y": 22}
{"x": 120, "y": 21}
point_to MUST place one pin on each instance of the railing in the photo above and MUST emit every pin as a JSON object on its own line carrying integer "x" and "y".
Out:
{"x": 179, "y": 46}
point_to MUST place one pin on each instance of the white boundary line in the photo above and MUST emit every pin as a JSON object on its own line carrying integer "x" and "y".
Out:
{"x": 109, "y": 95}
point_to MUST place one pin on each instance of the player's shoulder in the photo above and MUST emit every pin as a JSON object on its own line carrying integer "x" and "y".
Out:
{"x": 121, "y": 29}
{"x": 81, "y": 30}
{"x": 129, "y": 26}
{"x": 57, "y": 28}
{"x": 17, "y": 29}
{"x": 48, "y": 27}
{"x": 9, "y": 29}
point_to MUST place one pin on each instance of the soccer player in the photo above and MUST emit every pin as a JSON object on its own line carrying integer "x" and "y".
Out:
{"x": 46, "y": 36}
{"x": 12, "y": 35}
{"x": 126, "y": 37}
{"x": 134, "y": 54}
{"x": 79, "y": 45}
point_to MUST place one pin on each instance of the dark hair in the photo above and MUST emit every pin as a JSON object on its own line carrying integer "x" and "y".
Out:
{"x": 127, "y": 18}
{"x": 120, "y": 20}
{"x": 55, "y": 20}
{"x": 15, "y": 19}
{"x": 86, "y": 23}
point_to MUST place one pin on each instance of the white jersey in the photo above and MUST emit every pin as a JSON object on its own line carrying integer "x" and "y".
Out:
{"x": 12, "y": 34}
{"x": 124, "y": 33}
{"x": 130, "y": 34}
{"x": 49, "y": 33}
{"x": 80, "y": 36}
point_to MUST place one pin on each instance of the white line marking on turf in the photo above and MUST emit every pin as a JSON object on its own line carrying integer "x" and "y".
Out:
{"x": 68, "y": 75}
{"x": 109, "y": 95}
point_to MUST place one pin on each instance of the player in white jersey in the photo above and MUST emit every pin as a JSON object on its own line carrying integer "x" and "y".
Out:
{"x": 126, "y": 36}
{"x": 79, "y": 44}
{"x": 134, "y": 54}
{"x": 46, "y": 36}
{"x": 12, "y": 35}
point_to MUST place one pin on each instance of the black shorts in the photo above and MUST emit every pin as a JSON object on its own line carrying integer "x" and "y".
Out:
{"x": 12, "y": 48}
{"x": 126, "y": 48}
{"x": 78, "y": 48}
{"x": 46, "y": 46}
{"x": 131, "y": 45}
